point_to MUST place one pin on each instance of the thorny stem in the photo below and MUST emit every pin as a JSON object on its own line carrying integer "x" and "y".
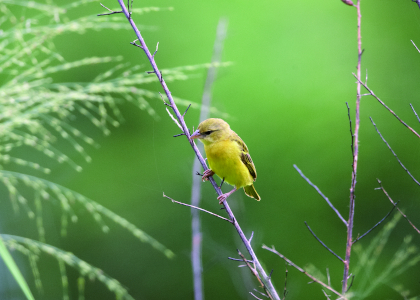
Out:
{"x": 355, "y": 157}
{"x": 264, "y": 277}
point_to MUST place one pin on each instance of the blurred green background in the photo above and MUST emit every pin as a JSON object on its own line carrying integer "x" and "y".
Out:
{"x": 285, "y": 94}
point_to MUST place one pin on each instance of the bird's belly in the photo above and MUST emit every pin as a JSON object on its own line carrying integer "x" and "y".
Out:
{"x": 226, "y": 163}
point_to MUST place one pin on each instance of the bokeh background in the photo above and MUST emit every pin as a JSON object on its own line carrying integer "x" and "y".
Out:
{"x": 285, "y": 95}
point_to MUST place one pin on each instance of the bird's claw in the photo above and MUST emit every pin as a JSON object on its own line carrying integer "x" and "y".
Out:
{"x": 207, "y": 173}
{"x": 222, "y": 198}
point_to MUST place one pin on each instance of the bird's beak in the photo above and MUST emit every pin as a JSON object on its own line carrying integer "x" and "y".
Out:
{"x": 196, "y": 135}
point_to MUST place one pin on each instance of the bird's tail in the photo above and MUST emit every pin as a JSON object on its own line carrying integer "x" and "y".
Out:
{"x": 251, "y": 192}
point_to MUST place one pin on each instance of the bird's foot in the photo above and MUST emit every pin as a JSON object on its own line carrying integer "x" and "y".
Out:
{"x": 222, "y": 198}
{"x": 207, "y": 173}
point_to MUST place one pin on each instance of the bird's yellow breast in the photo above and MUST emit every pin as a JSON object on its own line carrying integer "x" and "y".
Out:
{"x": 224, "y": 158}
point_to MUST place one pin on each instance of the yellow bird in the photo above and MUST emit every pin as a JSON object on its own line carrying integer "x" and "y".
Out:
{"x": 228, "y": 157}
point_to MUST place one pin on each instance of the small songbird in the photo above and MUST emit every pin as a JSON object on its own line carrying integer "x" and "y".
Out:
{"x": 228, "y": 157}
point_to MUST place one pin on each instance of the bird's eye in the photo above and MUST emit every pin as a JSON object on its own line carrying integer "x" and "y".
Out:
{"x": 207, "y": 132}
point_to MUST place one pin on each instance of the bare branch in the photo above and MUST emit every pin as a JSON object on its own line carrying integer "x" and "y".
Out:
{"x": 238, "y": 259}
{"x": 302, "y": 270}
{"x": 177, "y": 135}
{"x": 389, "y": 147}
{"x": 183, "y": 115}
{"x": 111, "y": 11}
{"x": 412, "y": 40}
{"x": 175, "y": 120}
{"x": 395, "y": 204}
{"x": 355, "y": 154}
{"x": 418, "y": 119}
{"x": 260, "y": 269}
{"x": 376, "y": 225}
{"x": 321, "y": 194}
{"x": 325, "y": 293}
{"x": 384, "y": 105}
{"x": 250, "y": 239}
{"x": 254, "y": 272}
{"x": 352, "y": 138}
{"x": 326, "y": 247}
{"x": 192, "y": 206}
{"x": 255, "y": 296}
{"x": 157, "y": 47}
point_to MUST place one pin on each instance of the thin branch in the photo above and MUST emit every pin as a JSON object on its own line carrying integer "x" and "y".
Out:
{"x": 325, "y": 294}
{"x": 352, "y": 137}
{"x": 395, "y": 155}
{"x": 326, "y": 247}
{"x": 417, "y": 116}
{"x": 250, "y": 239}
{"x": 195, "y": 207}
{"x": 111, "y": 11}
{"x": 254, "y": 272}
{"x": 240, "y": 259}
{"x": 157, "y": 47}
{"x": 321, "y": 194}
{"x": 183, "y": 115}
{"x": 177, "y": 135}
{"x": 258, "y": 266}
{"x": 351, "y": 283}
{"x": 252, "y": 269}
{"x": 395, "y": 204}
{"x": 384, "y": 105}
{"x": 355, "y": 155}
{"x": 302, "y": 270}
{"x": 261, "y": 293}
{"x": 255, "y": 296}
{"x": 376, "y": 225}
{"x": 415, "y": 44}
{"x": 285, "y": 284}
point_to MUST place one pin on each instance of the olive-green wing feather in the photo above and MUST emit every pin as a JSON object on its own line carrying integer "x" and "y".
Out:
{"x": 245, "y": 157}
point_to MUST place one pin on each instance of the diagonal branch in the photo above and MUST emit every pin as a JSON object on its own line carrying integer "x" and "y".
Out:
{"x": 197, "y": 208}
{"x": 261, "y": 271}
{"x": 320, "y": 193}
{"x": 384, "y": 105}
{"x": 303, "y": 271}
{"x": 377, "y": 224}
{"x": 322, "y": 243}
{"x": 395, "y": 204}
{"x": 389, "y": 147}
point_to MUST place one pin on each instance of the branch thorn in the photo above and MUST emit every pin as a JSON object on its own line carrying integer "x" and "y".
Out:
{"x": 111, "y": 11}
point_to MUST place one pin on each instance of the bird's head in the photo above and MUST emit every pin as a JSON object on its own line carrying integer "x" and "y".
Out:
{"x": 211, "y": 130}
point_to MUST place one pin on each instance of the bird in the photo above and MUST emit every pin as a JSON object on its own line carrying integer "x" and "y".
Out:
{"x": 228, "y": 157}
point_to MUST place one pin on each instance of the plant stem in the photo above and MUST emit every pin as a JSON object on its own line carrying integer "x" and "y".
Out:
{"x": 264, "y": 277}
{"x": 355, "y": 157}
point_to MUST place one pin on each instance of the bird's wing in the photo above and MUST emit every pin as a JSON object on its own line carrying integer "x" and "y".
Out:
{"x": 245, "y": 157}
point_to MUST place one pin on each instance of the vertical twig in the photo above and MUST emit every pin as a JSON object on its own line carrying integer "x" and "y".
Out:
{"x": 355, "y": 155}
{"x": 264, "y": 277}
{"x": 196, "y": 186}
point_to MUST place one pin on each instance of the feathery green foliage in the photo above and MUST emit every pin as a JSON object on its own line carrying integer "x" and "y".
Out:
{"x": 33, "y": 249}
{"x": 406, "y": 257}
{"x": 36, "y": 111}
